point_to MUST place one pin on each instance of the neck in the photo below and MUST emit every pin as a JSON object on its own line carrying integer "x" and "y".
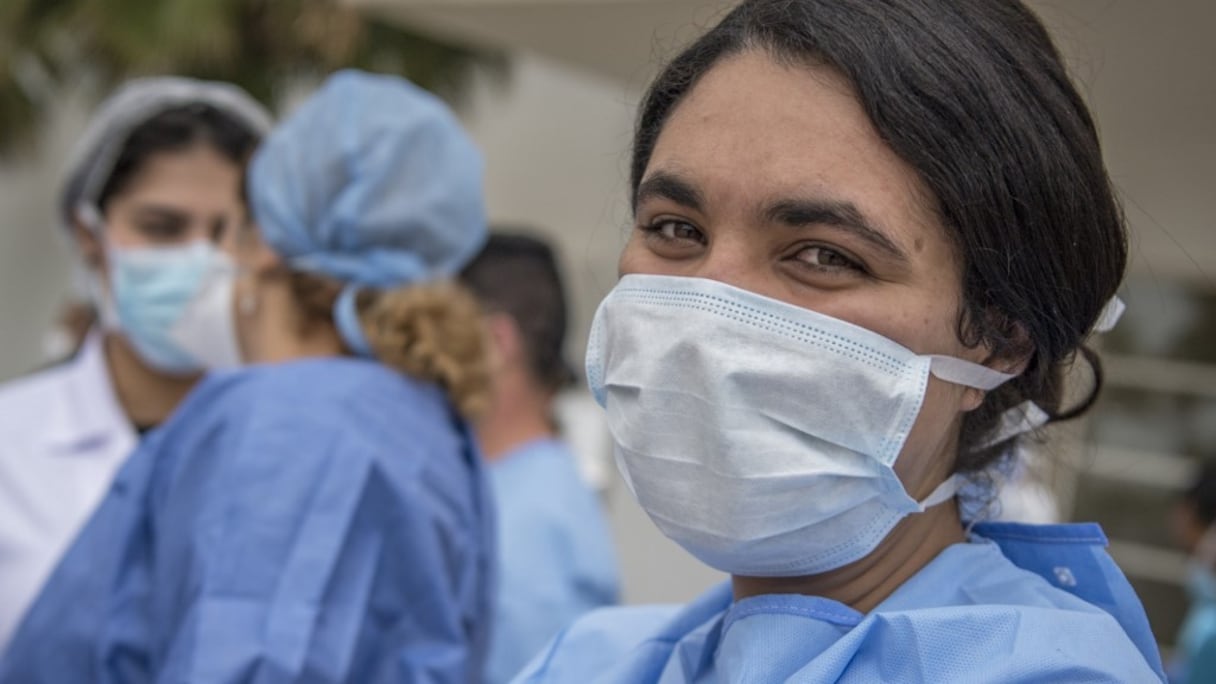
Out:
{"x": 278, "y": 344}
{"x": 517, "y": 417}
{"x": 281, "y": 333}
{"x": 863, "y": 584}
{"x": 147, "y": 396}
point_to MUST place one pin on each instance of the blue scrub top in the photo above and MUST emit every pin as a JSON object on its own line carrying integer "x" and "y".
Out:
{"x": 1019, "y": 603}
{"x": 556, "y": 556}
{"x": 315, "y": 521}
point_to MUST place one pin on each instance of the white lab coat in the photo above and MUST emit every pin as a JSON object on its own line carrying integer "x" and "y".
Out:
{"x": 63, "y": 436}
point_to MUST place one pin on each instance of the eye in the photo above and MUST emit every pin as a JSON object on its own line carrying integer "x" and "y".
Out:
{"x": 826, "y": 259}
{"x": 162, "y": 229}
{"x": 673, "y": 230}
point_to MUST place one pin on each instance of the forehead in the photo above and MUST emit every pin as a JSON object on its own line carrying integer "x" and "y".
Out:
{"x": 196, "y": 176}
{"x": 754, "y": 131}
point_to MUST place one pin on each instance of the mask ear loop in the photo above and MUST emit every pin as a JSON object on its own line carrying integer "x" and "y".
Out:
{"x": 350, "y": 328}
{"x": 90, "y": 217}
{"x": 1111, "y": 313}
{"x": 1021, "y": 419}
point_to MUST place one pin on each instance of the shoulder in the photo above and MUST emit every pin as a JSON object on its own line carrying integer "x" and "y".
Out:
{"x": 59, "y": 403}
{"x": 24, "y": 402}
{"x": 1049, "y": 585}
{"x": 542, "y": 499}
{"x": 597, "y": 642}
{"x": 317, "y": 391}
{"x": 312, "y": 412}
{"x": 545, "y": 465}
{"x": 1003, "y": 642}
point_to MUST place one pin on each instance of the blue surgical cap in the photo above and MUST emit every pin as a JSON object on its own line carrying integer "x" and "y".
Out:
{"x": 372, "y": 181}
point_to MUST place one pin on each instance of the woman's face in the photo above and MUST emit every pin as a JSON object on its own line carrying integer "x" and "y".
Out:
{"x": 771, "y": 178}
{"x": 176, "y": 198}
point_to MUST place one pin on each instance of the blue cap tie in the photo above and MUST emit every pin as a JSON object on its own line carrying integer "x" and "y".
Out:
{"x": 346, "y": 319}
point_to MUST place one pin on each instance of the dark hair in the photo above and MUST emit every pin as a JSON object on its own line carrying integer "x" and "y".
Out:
{"x": 975, "y": 97}
{"x": 1201, "y": 495}
{"x": 171, "y": 130}
{"x": 517, "y": 274}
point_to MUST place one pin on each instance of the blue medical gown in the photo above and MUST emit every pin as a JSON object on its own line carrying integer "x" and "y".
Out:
{"x": 555, "y": 553}
{"x": 971, "y": 615}
{"x": 315, "y": 521}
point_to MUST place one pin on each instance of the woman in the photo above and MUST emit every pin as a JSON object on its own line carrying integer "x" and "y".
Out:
{"x": 322, "y": 515}
{"x": 866, "y": 234}
{"x": 157, "y": 174}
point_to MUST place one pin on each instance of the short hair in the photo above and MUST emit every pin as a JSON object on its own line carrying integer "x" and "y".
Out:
{"x": 1201, "y": 495}
{"x": 975, "y": 97}
{"x": 517, "y": 274}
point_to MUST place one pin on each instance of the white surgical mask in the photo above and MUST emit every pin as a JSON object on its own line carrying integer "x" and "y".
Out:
{"x": 759, "y": 435}
{"x": 207, "y": 326}
{"x": 149, "y": 290}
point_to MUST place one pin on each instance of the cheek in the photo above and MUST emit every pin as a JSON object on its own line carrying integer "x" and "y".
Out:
{"x": 121, "y": 233}
{"x": 929, "y": 454}
{"x": 635, "y": 257}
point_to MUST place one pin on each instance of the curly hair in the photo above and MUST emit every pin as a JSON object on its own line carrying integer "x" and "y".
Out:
{"x": 431, "y": 332}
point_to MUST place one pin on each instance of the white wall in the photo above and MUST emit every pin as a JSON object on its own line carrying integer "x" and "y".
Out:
{"x": 34, "y": 272}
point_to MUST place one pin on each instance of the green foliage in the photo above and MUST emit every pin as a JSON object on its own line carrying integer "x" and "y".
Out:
{"x": 49, "y": 46}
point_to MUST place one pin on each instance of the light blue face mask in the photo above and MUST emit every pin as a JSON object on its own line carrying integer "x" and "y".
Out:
{"x": 149, "y": 290}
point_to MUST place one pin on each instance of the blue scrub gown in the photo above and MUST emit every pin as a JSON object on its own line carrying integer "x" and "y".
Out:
{"x": 556, "y": 556}
{"x": 1019, "y": 603}
{"x": 316, "y": 521}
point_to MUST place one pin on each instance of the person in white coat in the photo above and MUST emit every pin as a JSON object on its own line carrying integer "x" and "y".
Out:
{"x": 158, "y": 171}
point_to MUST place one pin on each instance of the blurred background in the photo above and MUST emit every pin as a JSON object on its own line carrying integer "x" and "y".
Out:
{"x": 548, "y": 89}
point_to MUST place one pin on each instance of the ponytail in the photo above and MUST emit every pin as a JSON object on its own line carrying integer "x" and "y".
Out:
{"x": 431, "y": 332}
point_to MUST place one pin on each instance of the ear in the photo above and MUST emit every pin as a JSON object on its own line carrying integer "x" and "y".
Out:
{"x": 505, "y": 337}
{"x": 1013, "y": 359}
{"x": 254, "y": 254}
{"x": 88, "y": 244}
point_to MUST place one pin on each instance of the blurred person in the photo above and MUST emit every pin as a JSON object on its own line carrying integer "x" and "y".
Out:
{"x": 1195, "y": 511}
{"x": 556, "y": 559}
{"x": 322, "y": 515}
{"x": 150, "y": 186}
{"x": 1194, "y": 527}
{"x": 868, "y": 237}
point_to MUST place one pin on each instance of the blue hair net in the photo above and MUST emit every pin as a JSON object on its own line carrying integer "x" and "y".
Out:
{"x": 132, "y": 105}
{"x": 372, "y": 181}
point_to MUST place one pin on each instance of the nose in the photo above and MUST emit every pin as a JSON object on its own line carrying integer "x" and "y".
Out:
{"x": 734, "y": 260}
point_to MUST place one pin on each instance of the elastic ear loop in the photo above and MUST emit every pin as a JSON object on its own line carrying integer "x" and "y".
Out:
{"x": 88, "y": 214}
{"x": 1110, "y": 315}
{"x": 346, "y": 320}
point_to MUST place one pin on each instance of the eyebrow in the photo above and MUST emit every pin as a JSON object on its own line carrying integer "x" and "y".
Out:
{"x": 798, "y": 213}
{"x": 159, "y": 211}
{"x": 794, "y": 213}
{"x": 664, "y": 185}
